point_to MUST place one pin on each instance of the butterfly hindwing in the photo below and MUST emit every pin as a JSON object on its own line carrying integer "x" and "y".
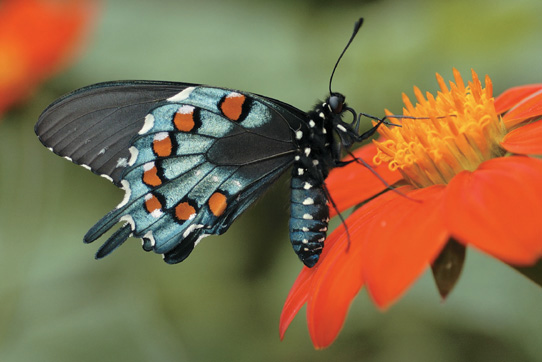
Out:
{"x": 199, "y": 159}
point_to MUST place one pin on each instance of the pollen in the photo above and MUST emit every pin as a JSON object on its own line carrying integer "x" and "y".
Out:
{"x": 441, "y": 136}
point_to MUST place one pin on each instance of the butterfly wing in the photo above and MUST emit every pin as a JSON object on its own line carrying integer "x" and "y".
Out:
{"x": 192, "y": 158}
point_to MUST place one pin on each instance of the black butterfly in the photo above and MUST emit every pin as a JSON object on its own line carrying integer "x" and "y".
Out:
{"x": 191, "y": 158}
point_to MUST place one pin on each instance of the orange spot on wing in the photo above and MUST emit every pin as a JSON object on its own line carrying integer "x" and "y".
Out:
{"x": 217, "y": 203}
{"x": 162, "y": 145}
{"x": 184, "y": 211}
{"x": 183, "y": 120}
{"x": 232, "y": 106}
{"x": 151, "y": 178}
{"x": 152, "y": 203}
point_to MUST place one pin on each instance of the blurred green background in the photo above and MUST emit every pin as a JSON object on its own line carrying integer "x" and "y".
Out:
{"x": 58, "y": 304}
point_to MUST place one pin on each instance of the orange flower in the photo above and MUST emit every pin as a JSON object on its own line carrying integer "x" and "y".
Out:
{"x": 37, "y": 38}
{"x": 464, "y": 176}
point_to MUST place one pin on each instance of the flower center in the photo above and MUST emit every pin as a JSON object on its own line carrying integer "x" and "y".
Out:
{"x": 456, "y": 131}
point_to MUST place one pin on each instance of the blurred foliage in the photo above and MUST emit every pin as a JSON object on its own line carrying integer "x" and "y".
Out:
{"x": 223, "y": 303}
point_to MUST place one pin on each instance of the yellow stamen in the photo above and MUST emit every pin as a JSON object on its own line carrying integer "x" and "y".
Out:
{"x": 456, "y": 130}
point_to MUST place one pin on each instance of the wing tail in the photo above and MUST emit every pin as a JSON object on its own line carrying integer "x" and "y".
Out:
{"x": 114, "y": 241}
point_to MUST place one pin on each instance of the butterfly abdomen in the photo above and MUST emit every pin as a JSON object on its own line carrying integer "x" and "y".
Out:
{"x": 309, "y": 216}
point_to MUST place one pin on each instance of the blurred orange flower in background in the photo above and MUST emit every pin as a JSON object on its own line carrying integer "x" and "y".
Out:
{"x": 37, "y": 39}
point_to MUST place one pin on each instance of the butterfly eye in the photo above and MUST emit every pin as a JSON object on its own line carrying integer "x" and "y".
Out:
{"x": 336, "y": 103}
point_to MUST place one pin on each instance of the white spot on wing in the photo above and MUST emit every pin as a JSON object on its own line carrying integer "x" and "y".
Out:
{"x": 181, "y": 96}
{"x": 68, "y": 158}
{"x": 129, "y": 220}
{"x": 133, "y": 155}
{"x": 200, "y": 237}
{"x": 308, "y": 201}
{"x": 307, "y": 186}
{"x": 149, "y": 123}
{"x": 102, "y": 151}
{"x": 234, "y": 95}
{"x": 86, "y": 166}
{"x": 186, "y": 109}
{"x": 122, "y": 162}
{"x": 300, "y": 171}
{"x": 298, "y": 135}
{"x": 107, "y": 177}
{"x": 312, "y": 124}
{"x": 157, "y": 213}
{"x": 150, "y": 236}
{"x": 125, "y": 185}
{"x": 341, "y": 128}
{"x": 307, "y": 217}
{"x": 148, "y": 166}
{"x": 191, "y": 228}
{"x": 161, "y": 136}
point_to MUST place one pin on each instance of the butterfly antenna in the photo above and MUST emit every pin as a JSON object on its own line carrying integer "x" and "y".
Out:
{"x": 356, "y": 29}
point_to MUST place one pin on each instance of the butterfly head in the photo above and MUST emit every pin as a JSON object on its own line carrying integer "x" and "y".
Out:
{"x": 336, "y": 103}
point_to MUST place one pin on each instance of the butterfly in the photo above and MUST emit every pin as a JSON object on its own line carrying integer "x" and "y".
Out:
{"x": 191, "y": 158}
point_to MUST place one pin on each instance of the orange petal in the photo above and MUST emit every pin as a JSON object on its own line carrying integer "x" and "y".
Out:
{"x": 337, "y": 284}
{"x": 352, "y": 184}
{"x": 513, "y": 96}
{"x": 406, "y": 236}
{"x": 528, "y": 107}
{"x": 525, "y": 140}
{"x": 497, "y": 208}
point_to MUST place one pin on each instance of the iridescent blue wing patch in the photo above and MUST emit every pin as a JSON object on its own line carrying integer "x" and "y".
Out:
{"x": 194, "y": 162}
